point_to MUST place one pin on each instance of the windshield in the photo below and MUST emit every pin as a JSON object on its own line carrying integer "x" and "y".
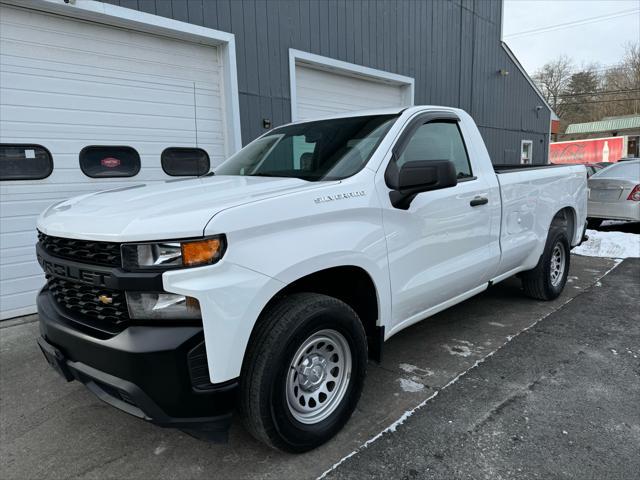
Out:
{"x": 630, "y": 170}
{"x": 322, "y": 150}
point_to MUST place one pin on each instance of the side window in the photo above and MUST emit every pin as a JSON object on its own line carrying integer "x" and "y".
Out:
{"x": 109, "y": 161}
{"x": 438, "y": 141}
{"x": 526, "y": 152}
{"x": 185, "y": 162}
{"x": 24, "y": 162}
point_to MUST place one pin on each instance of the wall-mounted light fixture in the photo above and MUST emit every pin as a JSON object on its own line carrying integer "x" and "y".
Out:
{"x": 503, "y": 72}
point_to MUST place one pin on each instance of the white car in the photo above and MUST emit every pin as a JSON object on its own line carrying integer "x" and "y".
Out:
{"x": 614, "y": 193}
{"x": 269, "y": 284}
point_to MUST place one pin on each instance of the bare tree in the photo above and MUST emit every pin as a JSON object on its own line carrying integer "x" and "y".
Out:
{"x": 553, "y": 80}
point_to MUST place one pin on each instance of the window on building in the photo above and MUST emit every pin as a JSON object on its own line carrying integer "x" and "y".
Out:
{"x": 438, "y": 141}
{"x": 185, "y": 162}
{"x": 109, "y": 161}
{"x": 24, "y": 162}
{"x": 526, "y": 152}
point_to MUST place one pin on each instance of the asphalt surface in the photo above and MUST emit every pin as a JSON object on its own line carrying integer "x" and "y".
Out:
{"x": 51, "y": 429}
{"x": 562, "y": 400}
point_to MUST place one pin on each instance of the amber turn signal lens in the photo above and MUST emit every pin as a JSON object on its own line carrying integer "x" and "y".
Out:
{"x": 201, "y": 252}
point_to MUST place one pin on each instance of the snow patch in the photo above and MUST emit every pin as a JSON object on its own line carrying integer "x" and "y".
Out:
{"x": 423, "y": 372}
{"x": 409, "y": 385}
{"x": 460, "y": 350}
{"x": 610, "y": 244}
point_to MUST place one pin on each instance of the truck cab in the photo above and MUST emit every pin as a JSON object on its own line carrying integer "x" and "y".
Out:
{"x": 264, "y": 287}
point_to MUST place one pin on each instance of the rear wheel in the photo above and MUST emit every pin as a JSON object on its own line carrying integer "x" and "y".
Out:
{"x": 547, "y": 280}
{"x": 303, "y": 372}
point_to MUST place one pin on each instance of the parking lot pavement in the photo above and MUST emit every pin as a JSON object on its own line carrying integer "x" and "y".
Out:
{"x": 50, "y": 429}
{"x": 559, "y": 401}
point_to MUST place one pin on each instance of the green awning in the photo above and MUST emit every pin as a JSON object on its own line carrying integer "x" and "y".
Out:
{"x": 608, "y": 125}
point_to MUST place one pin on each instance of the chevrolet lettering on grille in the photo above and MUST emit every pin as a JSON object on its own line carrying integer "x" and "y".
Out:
{"x": 71, "y": 272}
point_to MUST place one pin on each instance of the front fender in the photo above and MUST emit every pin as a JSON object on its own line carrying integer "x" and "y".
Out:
{"x": 231, "y": 298}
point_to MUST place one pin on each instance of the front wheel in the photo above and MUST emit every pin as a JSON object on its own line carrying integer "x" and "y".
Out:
{"x": 547, "y": 280}
{"x": 303, "y": 372}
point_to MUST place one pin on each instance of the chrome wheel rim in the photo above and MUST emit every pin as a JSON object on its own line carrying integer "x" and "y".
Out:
{"x": 557, "y": 264}
{"x": 318, "y": 376}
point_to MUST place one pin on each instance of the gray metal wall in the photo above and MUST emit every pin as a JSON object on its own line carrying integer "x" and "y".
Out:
{"x": 451, "y": 47}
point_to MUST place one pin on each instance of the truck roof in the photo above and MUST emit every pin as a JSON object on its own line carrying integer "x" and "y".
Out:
{"x": 380, "y": 111}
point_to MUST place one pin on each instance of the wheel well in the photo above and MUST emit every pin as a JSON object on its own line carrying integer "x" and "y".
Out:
{"x": 565, "y": 219}
{"x": 353, "y": 286}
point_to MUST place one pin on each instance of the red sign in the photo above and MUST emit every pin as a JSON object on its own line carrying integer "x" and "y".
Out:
{"x": 592, "y": 150}
{"x": 110, "y": 162}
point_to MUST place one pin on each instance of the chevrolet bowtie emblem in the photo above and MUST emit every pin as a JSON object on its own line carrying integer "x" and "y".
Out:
{"x": 107, "y": 300}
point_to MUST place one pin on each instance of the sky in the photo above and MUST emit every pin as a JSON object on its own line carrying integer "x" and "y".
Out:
{"x": 599, "y": 37}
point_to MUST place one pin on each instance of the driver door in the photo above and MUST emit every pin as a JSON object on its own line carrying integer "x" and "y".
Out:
{"x": 442, "y": 246}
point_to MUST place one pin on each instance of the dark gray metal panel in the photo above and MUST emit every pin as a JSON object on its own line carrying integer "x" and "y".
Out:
{"x": 179, "y": 10}
{"x": 451, "y": 47}
{"x": 148, "y": 6}
{"x": 195, "y": 12}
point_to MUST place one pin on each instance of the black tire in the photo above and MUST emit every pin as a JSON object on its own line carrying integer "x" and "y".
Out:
{"x": 283, "y": 329}
{"x": 594, "y": 223}
{"x": 537, "y": 283}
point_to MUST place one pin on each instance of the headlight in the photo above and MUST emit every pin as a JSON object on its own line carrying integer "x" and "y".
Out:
{"x": 165, "y": 255}
{"x": 162, "y": 306}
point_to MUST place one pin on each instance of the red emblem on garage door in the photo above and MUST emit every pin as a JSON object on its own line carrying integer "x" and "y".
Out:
{"x": 110, "y": 162}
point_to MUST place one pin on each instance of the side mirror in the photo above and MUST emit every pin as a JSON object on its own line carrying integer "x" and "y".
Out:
{"x": 417, "y": 177}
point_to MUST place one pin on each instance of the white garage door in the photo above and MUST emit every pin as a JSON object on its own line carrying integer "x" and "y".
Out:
{"x": 67, "y": 84}
{"x": 321, "y": 92}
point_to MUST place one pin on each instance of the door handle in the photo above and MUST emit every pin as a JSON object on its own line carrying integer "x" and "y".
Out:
{"x": 479, "y": 201}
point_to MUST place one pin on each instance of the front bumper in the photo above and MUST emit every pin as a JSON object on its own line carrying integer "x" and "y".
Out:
{"x": 146, "y": 371}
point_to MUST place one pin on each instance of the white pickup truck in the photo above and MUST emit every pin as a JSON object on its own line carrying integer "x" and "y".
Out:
{"x": 264, "y": 287}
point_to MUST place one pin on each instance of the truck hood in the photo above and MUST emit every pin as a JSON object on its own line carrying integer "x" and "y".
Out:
{"x": 175, "y": 209}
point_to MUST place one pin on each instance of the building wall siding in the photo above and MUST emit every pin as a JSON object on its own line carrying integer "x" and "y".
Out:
{"x": 451, "y": 47}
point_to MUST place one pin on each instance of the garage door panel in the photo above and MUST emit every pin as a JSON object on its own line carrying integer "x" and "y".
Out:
{"x": 13, "y": 305}
{"x": 115, "y": 66}
{"x": 69, "y": 38}
{"x": 89, "y": 103}
{"x": 20, "y": 285}
{"x": 11, "y": 256}
{"x": 17, "y": 224}
{"x": 320, "y": 93}
{"x": 21, "y": 270}
{"x": 74, "y": 116}
{"x": 66, "y": 84}
{"x": 19, "y": 239}
{"x": 69, "y": 78}
{"x": 63, "y": 140}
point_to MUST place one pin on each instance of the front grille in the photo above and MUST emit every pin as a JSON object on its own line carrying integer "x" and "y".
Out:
{"x": 85, "y": 251}
{"x": 83, "y": 299}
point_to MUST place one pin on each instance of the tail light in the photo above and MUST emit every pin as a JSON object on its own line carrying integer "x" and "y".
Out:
{"x": 635, "y": 194}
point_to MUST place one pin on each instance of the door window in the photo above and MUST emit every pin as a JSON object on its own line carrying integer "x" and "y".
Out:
{"x": 109, "y": 161}
{"x": 24, "y": 162}
{"x": 184, "y": 162}
{"x": 438, "y": 141}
